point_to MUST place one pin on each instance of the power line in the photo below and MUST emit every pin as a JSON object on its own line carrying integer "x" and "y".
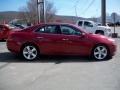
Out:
{"x": 76, "y": 2}
{"x": 91, "y": 3}
{"x": 76, "y": 6}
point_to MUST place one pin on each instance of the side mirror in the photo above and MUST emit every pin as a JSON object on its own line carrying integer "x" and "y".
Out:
{"x": 82, "y": 35}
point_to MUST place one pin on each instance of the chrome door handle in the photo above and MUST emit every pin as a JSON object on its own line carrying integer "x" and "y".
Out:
{"x": 39, "y": 37}
{"x": 65, "y": 39}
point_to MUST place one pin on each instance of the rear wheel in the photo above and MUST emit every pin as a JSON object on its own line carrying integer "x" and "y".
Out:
{"x": 100, "y": 52}
{"x": 30, "y": 52}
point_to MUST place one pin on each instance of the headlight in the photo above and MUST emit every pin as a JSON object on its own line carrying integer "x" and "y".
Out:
{"x": 110, "y": 39}
{"x": 109, "y": 30}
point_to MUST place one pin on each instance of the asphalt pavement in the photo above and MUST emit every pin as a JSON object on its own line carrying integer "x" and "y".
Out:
{"x": 58, "y": 73}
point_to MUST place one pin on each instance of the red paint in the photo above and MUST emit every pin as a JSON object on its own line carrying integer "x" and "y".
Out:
{"x": 58, "y": 44}
{"x": 5, "y": 31}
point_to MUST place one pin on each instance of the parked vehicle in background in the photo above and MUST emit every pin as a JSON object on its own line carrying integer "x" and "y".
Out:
{"x": 59, "y": 39}
{"x": 5, "y": 30}
{"x": 20, "y": 26}
{"x": 107, "y": 24}
{"x": 92, "y": 27}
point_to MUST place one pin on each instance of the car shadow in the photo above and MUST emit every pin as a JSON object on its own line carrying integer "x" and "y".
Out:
{"x": 11, "y": 58}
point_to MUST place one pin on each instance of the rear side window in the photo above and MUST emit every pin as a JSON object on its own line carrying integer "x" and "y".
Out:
{"x": 47, "y": 29}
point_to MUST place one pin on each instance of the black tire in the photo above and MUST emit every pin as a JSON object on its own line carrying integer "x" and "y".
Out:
{"x": 29, "y": 52}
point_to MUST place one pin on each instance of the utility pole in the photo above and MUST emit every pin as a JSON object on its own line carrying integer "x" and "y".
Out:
{"x": 115, "y": 35}
{"x": 45, "y": 11}
{"x": 114, "y": 19}
{"x": 38, "y": 11}
{"x": 41, "y": 11}
{"x": 103, "y": 11}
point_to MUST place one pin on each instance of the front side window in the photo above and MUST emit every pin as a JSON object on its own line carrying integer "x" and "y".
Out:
{"x": 67, "y": 30}
{"x": 88, "y": 24}
{"x": 47, "y": 29}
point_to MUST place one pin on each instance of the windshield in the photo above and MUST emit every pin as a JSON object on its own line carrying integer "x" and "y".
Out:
{"x": 11, "y": 26}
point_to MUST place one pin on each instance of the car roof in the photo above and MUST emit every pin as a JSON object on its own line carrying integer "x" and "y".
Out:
{"x": 31, "y": 28}
{"x": 57, "y": 23}
{"x": 54, "y": 23}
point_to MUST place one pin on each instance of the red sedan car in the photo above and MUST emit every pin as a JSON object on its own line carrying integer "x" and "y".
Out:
{"x": 59, "y": 39}
{"x": 5, "y": 29}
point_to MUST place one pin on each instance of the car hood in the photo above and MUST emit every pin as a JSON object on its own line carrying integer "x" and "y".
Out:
{"x": 106, "y": 27}
{"x": 100, "y": 38}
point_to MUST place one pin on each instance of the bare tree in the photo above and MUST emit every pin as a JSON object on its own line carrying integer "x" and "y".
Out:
{"x": 50, "y": 11}
{"x": 29, "y": 12}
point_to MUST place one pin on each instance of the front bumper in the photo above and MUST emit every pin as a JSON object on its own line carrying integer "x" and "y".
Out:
{"x": 113, "y": 49}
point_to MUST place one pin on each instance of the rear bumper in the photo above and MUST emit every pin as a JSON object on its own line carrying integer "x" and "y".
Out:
{"x": 13, "y": 46}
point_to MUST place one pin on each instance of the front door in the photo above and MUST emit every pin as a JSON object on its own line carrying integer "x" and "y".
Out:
{"x": 88, "y": 26}
{"x": 74, "y": 42}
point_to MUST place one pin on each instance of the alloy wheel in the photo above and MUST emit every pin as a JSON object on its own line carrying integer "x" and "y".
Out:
{"x": 100, "y": 52}
{"x": 30, "y": 52}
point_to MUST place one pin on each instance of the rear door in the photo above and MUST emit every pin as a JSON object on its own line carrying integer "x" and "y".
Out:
{"x": 49, "y": 39}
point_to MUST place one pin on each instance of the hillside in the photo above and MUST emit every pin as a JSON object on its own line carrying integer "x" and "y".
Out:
{"x": 10, "y": 15}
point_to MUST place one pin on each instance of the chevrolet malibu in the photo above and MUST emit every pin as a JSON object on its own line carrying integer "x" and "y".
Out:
{"x": 60, "y": 39}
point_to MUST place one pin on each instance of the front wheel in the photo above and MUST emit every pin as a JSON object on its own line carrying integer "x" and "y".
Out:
{"x": 99, "y": 32}
{"x": 30, "y": 52}
{"x": 100, "y": 52}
